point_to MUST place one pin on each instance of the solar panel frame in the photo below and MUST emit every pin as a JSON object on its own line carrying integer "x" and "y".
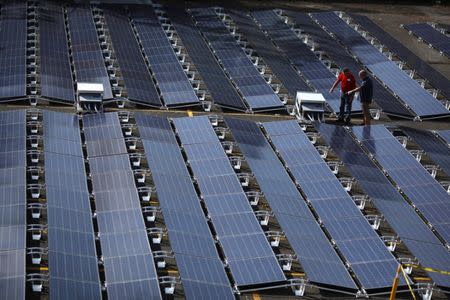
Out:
{"x": 430, "y": 35}
{"x": 444, "y": 135}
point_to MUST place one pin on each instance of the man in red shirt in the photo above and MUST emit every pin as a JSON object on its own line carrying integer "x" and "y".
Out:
{"x": 348, "y": 84}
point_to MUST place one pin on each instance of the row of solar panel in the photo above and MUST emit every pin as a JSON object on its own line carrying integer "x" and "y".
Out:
{"x": 430, "y": 35}
{"x": 415, "y": 98}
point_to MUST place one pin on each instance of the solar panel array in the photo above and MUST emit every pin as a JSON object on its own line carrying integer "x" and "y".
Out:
{"x": 127, "y": 257}
{"x": 312, "y": 69}
{"x": 138, "y": 80}
{"x": 72, "y": 256}
{"x": 436, "y": 79}
{"x": 55, "y": 71}
{"x": 13, "y": 206}
{"x": 86, "y": 53}
{"x": 312, "y": 248}
{"x": 428, "y": 196}
{"x": 352, "y": 233}
{"x": 202, "y": 272}
{"x": 338, "y": 54}
{"x": 407, "y": 89}
{"x": 431, "y": 36}
{"x": 413, "y": 232}
{"x": 256, "y": 91}
{"x": 279, "y": 64}
{"x": 218, "y": 84}
{"x": 244, "y": 244}
{"x": 13, "y": 34}
{"x": 431, "y": 144}
{"x": 172, "y": 82}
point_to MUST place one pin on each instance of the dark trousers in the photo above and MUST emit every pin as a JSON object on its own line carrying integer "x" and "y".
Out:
{"x": 345, "y": 110}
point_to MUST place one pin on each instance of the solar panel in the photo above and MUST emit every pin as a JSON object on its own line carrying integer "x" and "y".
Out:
{"x": 279, "y": 64}
{"x": 13, "y": 64}
{"x": 407, "y": 89}
{"x": 172, "y": 81}
{"x": 436, "y": 79}
{"x": 138, "y": 81}
{"x": 72, "y": 254}
{"x": 430, "y": 35}
{"x": 431, "y": 144}
{"x": 55, "y": 70}
{"x": 259, "y": 268}
{"x": 411, "y": 229}
{"x": 124, "y": 238}
{"x": 289, "y": 208}
{"x": 445, "y": 135}
{"x": 342, "y": 58}
{"x": 312, "y": 69}
{"x": 422, "y": 189}
{"x": 218, "y": 84}
{"x": 256, "y": 91}
{"x": 13, "y": 210}
{"x": 86, "y": 53}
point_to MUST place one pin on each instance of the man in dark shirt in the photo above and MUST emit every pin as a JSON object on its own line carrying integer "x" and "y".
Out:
{"x": 347, "y": 81}
{"x": 365, "y": 95}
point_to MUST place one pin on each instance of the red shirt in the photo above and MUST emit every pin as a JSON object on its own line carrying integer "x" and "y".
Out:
{"x": 347, "y": 82}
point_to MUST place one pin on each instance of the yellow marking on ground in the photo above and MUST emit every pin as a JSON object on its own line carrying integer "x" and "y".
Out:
{"x": 428, "y": 269}
{"x": 190, "y": 114}
{"x": 422, "y": 279}
{"x": 297, "y": 274}
{"x": 43, "y": 269}
{"x": 256, "y": 296}
{"x": 172, "y": 271}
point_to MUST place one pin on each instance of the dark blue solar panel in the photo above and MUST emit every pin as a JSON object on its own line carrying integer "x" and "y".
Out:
{"x": 431, "y": 144}
{"x": 340, "y": 56}
{"x": 445, "y": 135}
{"x": 138, "y": 81}
{"x": 416, "y": 235}
{"x": 13, "y": 211}
{"x": 290, "y": 208}
{"x": 312, "y": 69}
{"x": 55, "y": 71}
{"x": 124, "y": 238}
{"x": 13, "y": 34}
{"x": 436, "y": 79}
{"x": 72, "y": 253}
{"x": 256, "y": 91}
{"x": 430, "y": 35}
{"x": 218, "y": 84}
{"x": 407, "y": 89}
{"x": 86, "y": 53}
{"x": 233, "y": 229}
{"x": 279, "y": 64}
{"x": 422, "y": 189}
{"x": 171, "y": 80}
{"x": 190, "y": 238}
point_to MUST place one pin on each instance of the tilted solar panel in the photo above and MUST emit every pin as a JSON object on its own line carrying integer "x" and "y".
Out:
{"x": 13, "y": 209}
{"x": 172, "y": 82}
{"x": 200, "y": 267}
{"x": 342, "y": 58}
{"x": 251, "y": 263}
{"x": 138, "y": 81}
{"x": 297, "y": 222}
{"x": 407, "y": 89}
{"x": 13, "y": 61}
{"x": 256, "y": 91}
{"x": 431, "y": 36}
{"x": 86, "y": 53}
{"x": 436, "y": 79}
{"x": 401, "y": 216}
{"x": 445, "y": 135}
{"x": 312, "y": 69}
{"x": 128, "y": 260}
{"x": 55, "y": 71}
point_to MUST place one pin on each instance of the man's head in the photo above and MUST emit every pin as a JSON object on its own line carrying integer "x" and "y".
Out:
{"x": 362, "y": 74}
{"x": 346, "y": 71}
